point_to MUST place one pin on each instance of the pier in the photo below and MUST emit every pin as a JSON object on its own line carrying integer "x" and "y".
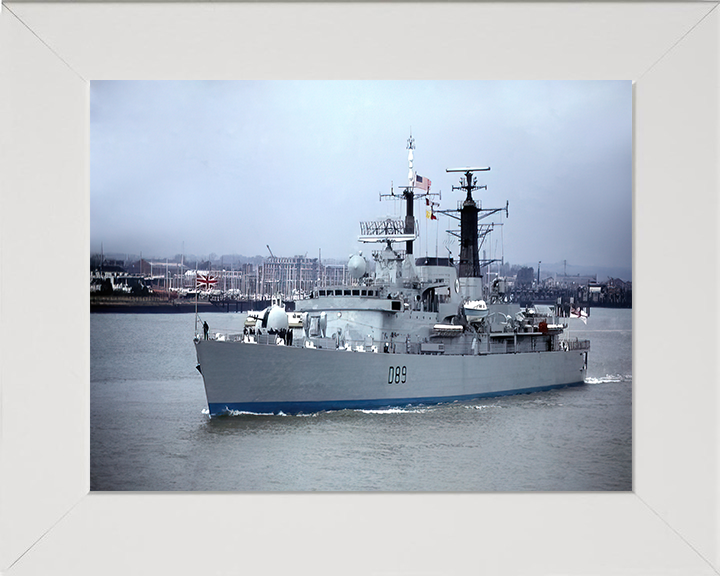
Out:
{"x": 597, "y": 295}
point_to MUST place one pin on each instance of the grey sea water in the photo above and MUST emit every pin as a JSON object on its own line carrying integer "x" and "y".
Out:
{"x": 150, "y": 430}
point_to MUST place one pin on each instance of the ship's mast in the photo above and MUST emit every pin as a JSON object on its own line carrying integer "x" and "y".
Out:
{"x": 408, "y": 234}
{"x": 469, "y": 250}
{"x": 409, "y": 196}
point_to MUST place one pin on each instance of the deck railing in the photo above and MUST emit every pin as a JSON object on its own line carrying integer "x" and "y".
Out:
{"x": 576, "y": 344}
{"x": 400, "y": 347}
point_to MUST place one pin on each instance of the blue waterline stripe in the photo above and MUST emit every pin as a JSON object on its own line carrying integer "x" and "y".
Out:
{"x": 219, "y": 408}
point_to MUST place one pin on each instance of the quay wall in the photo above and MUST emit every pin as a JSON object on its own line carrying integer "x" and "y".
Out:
{"x": 149, "y": 305}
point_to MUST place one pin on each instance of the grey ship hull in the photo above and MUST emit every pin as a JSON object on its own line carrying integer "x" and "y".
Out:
{"x": 259, "y": 378}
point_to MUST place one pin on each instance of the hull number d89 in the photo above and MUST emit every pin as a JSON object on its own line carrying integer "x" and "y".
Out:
{"x": 397, "y": 375}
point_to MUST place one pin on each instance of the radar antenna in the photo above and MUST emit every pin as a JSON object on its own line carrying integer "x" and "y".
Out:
{"x": 470, "y": 182}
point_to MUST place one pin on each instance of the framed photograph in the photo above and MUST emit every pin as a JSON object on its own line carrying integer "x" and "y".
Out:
{"x": 49, "y": 520}
{"x": 451, "y": 384}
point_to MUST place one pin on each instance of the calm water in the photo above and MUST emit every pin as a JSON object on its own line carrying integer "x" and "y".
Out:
{"x": 150, "y": 429}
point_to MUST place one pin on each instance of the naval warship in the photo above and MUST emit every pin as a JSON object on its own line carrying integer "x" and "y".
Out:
{"x": 415, "y": 331}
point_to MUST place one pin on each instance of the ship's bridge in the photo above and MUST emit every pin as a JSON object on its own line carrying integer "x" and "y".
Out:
{"x": 335, "y": 291}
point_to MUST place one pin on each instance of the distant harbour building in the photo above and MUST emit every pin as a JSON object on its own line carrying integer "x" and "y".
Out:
{"x": 289, "y": 276}
{"x": 295, "y": 277}
{"x": 333, "y": 275}
{"x": 564, "y": 281}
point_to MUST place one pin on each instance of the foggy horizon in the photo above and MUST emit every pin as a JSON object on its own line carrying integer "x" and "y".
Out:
{"x": 191, "y": 261}
{"x": 232, "y": 167}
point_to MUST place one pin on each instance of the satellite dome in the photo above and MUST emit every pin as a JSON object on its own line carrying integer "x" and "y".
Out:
{"x": 357, "y": 266}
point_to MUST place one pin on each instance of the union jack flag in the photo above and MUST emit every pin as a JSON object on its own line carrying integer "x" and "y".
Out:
{"x": 205, "y": 280}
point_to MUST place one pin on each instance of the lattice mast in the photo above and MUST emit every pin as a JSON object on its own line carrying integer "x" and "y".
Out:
{"x": 469, "y": 248}
{"x": 409, "y": 195}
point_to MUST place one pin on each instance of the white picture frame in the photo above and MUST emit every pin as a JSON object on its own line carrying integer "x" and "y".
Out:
{"x": 50, "y": 523}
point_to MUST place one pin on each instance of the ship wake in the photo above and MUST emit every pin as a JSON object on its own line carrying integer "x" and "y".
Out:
{"x": 394, "y": 410}
{"x": 609, "y": 378}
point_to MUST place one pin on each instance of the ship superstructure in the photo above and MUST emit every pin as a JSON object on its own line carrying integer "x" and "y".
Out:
{"x": 417, "y": 330}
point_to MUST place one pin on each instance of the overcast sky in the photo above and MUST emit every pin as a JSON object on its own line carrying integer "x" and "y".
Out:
{"x": 228, "y": 167}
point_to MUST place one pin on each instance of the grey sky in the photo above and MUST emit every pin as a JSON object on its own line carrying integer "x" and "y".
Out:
{"x": 228, "y": 167}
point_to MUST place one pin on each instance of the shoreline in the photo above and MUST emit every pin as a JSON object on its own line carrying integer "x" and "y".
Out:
{"x": 110, "y": 305}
